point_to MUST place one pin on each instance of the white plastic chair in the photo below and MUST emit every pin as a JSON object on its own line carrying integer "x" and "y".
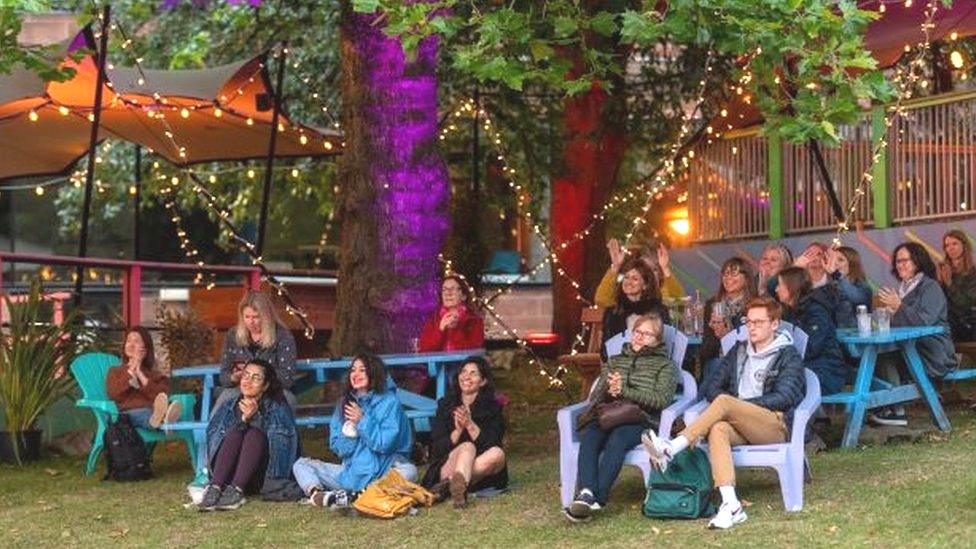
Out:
{"x": 676, "y": 343}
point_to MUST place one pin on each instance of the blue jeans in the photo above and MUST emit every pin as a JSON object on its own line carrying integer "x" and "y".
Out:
{"x": 597, "y": 472}
{"x": 139, "y": 417}
{"x": 311, "y": 473}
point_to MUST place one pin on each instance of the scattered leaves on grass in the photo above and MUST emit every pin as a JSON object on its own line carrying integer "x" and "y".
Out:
{"x": 833, "y": 528}
{"x": 655, "y": 530}
{"x": 65, "y": 533}
{"x": 52, "y": 472}
{"x": 745, "y": 502}
{"x": 262, "y": 525}
{"x": 119, "y": 533}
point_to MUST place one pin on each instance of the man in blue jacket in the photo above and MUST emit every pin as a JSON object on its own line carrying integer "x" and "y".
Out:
{"x": 751, "y": 399}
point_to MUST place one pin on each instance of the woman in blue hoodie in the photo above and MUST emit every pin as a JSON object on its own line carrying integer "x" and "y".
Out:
{"x": 811, "y": 312}
{"x": 369, "y": 432}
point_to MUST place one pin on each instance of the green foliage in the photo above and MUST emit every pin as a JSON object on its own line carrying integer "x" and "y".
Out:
{"x": 34, "y": 356}
{"x": 42, "y": 60}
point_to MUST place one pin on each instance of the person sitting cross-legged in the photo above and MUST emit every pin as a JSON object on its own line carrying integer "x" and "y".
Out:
{"x": 751, "y": 398}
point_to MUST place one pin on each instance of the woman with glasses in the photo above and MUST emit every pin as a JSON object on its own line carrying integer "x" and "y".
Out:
{"x": 642, "y": 374}
{"x": 810, "y": 311}
{"x": 251, "y": 440}
{"x": 724, "y": 311}
{"x": 455, "y": 324}
{"x": 917, "y": 301}
{"x": 638, "y": 293}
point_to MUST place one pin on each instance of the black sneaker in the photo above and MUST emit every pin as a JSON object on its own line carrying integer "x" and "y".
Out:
{"x": 211, "y": 494}
{"x": 584, "y": 504}
{"x": 333, "y": 499}
{"x": 889, "y": 416}
{"x": 231, "y": 498}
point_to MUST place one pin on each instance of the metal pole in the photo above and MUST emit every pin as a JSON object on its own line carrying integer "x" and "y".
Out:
{"x": 92, "y": 143}
{"x": 136, "y": 252}
{"x": 277, "y": 94}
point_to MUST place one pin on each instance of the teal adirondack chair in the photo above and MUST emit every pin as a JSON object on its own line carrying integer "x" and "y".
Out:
{"x": 90, "y": 371}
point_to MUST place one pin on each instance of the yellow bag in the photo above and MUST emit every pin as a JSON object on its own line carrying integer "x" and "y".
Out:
{"x": 392, "y": 496}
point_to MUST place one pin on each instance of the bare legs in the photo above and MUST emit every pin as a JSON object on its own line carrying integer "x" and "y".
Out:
{"x": 464, "y": 460}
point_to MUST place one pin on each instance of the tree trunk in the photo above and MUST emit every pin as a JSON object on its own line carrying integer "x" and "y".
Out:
{"x": 594, "y": 148}
{"x": 392, "y": 212}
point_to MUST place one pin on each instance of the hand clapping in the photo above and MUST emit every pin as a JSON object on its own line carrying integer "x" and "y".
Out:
{"x": 615, "y": 384}
{"x": 462, "y": 417}
{"x": 889, "y": 298}
{"x": 449, "y": 320}
{"x": 352, "y": 412}
{"x": 248, "y": 407}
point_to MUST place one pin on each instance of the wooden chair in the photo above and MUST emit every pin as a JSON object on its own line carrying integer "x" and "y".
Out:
{"x": 588, "y": 362}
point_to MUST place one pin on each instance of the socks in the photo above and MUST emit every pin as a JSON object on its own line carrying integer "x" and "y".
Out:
{"x": 678, "y": 444}
{"x": 728, "y": 496}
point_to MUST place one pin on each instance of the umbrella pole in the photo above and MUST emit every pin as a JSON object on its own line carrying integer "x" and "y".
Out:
{"x": 136, "y": 204}
{"x": 277, "y": 94}
{"x": 92, "y": 143}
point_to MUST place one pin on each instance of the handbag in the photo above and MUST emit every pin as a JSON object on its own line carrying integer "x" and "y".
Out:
{"x": 615, "y": 413}
{"x": 392, "y": 496}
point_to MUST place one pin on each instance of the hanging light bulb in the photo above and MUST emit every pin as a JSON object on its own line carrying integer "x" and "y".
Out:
{"x": 32, "y": 116}
{"x": 956, "y": 59}
{"x": 185, "y": 112}
{"x": 217, "y": 112}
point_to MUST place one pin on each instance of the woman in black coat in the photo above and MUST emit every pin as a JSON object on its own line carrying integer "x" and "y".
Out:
{"x": 638, "y": 293}
{"x": 466, "y": 436}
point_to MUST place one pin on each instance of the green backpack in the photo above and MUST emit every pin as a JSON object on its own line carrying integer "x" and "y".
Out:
{"x": 684, "y": 491}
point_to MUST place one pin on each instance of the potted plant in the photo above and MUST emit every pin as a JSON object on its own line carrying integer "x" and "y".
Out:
{"x": 34, "y": 359}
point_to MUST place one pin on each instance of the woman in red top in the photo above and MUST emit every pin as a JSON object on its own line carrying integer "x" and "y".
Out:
{"x": 137, "y": 387}
{"x": 455, "y": 325}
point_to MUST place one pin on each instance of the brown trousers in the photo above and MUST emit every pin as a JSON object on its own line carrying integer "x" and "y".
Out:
{"x": 728, "y": 422}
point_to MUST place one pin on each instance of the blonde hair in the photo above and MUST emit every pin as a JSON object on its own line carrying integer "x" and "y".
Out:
{"x": 261, "y": 304}
{"x": 657, "y": 327}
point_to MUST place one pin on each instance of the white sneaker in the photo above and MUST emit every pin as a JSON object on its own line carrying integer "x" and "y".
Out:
{"x": 659, "y": 450}
{"x": 728, "y": 516}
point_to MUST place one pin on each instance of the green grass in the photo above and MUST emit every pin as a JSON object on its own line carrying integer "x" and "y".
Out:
{"x": 899, "y": 495}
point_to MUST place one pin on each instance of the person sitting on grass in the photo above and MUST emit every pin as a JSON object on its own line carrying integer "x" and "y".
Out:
{"x": 369, "y": 432}
{"x": 751, "y": 397}
{"x": 137, "y": 387}
{"x": 642, "y": 374}
{"x": 251, "y": 440}
{"x": 466, "y": 436}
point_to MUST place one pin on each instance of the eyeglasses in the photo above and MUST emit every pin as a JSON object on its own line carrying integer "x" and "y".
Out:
{"x": 450, "y": 290}
{"x": 730, "y": 274}
{"x": 252, "y": 376}
{"x": 750, "y": 322}
{"x": 644, "y": 333}
{"x": 903, "y": 260}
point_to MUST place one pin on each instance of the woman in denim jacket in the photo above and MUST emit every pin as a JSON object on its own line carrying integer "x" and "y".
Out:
{"x": 251, "y": 440}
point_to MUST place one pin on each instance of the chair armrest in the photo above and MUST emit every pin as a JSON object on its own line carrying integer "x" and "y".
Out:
{"x": 580, "y": 359}
{"x": 695, "y": 410}
{"x": 566, "y": 419}
{"x": 103, "y": 406}
{"x": 804, "y": 411}
{"x": 684, "y": 400}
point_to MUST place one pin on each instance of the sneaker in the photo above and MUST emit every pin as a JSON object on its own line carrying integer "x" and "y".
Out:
{"x": 728, "y": 516}
{"x": 584, "y": 505}
{"x": 441, "y": 490}
{"x": 657, "y": 449}
{"x": 574, "y": 518}
{"x": 459, "y": 490}
{"x": 159, "y": 410}
{"x": 231, "y": 498}
{"x": 318, "y": 497}
{"x": 211, "y": 494}
{"x": 333, "y": 499}
{"x": 889, "y": 416}
{"x": 173, "y": 412}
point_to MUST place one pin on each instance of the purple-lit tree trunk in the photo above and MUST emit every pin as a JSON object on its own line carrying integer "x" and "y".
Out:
{"x": 393, "y": 207}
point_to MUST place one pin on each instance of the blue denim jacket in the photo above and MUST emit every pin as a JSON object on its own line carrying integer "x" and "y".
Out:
{"x": 384, "y": 433}
{"x": 274, "y": 418}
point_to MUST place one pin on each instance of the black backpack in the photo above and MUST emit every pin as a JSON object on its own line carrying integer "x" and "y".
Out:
{"x": 125, "y": 454}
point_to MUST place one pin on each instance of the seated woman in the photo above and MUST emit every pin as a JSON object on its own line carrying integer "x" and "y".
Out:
{"x": 723, "y": 312}
{"x": 655, "y": 254}
{"x": 845, "y": 268}
{"x": 466, "y": 436}
{"x": 252, "y": 441}
{"x": 808, "y": 310}
{"x": 918, "y": 301}
{"x": 775, "y": 257}
{"x": 137, "y": 387}
{"x": 369, "y": 432}
{"x": 637, "y": 294}
{"x": 752, "y": 396}
{"x": 455, "y": 324}
{"x": 642, "y": 374}
{"x": 957, "y": 274}
{"x": 259, "y": 334}
{"x": 815, "y": 259}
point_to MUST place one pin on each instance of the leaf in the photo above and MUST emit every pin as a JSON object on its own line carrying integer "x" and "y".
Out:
{"x": 541, "y": 50}
{"x": 52, "y": 472}
{"x": 604, "y": 23}
{"x": 655, "y": 530}
{"x": 564, "y": 27}
{"x": 365, "y": 6}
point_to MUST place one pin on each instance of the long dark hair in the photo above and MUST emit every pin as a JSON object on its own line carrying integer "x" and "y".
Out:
{"x": 856, "y": 269}
{"x": 741, "y": 265}
{"x": 484, "y": 369}
{"x": 652, "y": 290}
{"x": 919, "y": 257}
{"x": 967, "y": 251}
{"x": 375, "y": 372}
{"x": 149, "y": 362}
{"x": 274, "y": 390}
{"x": 797, "y": 281}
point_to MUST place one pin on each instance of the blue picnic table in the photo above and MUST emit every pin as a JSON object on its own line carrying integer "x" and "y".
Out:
{"x": 419, "y": 408}
{"x": 870, "y": 392}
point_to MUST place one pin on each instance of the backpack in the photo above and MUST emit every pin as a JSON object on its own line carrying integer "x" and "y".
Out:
{"x": 684, "y": 491}
{"x": 125, "y": 454}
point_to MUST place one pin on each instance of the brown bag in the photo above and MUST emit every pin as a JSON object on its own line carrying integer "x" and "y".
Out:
{"x": 392, "y": 496}
{"x": 618, "y": 412}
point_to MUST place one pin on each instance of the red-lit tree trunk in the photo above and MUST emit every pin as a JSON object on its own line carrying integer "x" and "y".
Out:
{"x": 593, "y": 151}
{"x": 393, "y": 208}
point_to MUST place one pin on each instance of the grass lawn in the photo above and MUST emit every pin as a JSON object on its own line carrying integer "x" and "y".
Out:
{"x": 898, "y": 495}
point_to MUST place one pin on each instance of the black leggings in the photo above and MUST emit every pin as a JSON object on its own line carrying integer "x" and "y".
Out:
{"x": 241, "y": 455}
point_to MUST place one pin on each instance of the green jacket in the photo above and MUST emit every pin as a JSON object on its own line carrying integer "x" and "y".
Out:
{"x": 650, "y": 380}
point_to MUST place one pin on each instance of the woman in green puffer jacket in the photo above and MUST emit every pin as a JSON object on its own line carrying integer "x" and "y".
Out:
{"x": 642, "y": 374}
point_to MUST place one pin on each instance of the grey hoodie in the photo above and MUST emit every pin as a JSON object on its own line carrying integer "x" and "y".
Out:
{"x": 752, "y": 372}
